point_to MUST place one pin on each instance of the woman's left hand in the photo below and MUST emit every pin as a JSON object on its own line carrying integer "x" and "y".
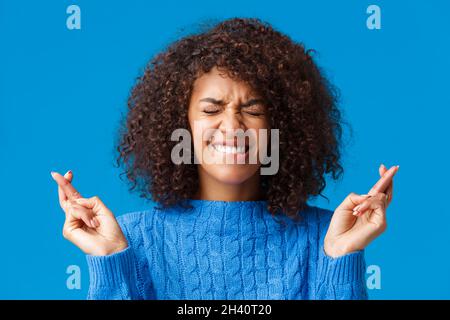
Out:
{"x": 360, "y": 218}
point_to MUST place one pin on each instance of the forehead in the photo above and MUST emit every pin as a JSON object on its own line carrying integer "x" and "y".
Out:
{"x": 218, "y": 83}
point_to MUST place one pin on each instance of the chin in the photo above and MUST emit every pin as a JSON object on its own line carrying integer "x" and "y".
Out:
{"x": 231, "y": 174}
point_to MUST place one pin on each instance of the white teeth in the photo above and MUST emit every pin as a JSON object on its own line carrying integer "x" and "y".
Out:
{"x": 228, "y": 149}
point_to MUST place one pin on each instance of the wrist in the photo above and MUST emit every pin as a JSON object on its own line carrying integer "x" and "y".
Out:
{"x": 122, "y": 245}
{"x": 109, "y": 250}
{"x": 336, "y": 249}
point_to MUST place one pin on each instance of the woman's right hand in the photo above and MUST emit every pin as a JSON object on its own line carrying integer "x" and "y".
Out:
{"x": 89, "y": 224}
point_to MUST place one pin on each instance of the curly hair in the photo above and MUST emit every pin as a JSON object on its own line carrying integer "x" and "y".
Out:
{"x": 302, "y": 105}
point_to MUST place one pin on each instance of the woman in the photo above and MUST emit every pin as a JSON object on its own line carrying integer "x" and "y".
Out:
{"x": 223, "y": 230}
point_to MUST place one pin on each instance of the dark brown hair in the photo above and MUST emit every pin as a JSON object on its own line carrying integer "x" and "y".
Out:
{"x": 301, "y": 101}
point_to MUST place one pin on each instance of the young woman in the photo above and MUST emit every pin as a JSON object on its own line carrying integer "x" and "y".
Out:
{"x": 223, "y": 230}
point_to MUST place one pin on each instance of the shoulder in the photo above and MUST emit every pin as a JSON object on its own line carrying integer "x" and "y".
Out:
{"x": 133, "y": 223}
{"x": 132, "y": 216}
{"x": 130, "y": 219}
{"x": 319, "y": 214}
{"x": 319, "y": 218}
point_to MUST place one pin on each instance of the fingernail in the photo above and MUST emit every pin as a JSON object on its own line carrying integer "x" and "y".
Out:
{"x": 398, "y": 166}
{"x": 53, "y": 174}
{"x": 357, "y": 207}
{"x": 355, "y": 213}
{"x": 69, "y": 172}
{"x": 97, "y": 223}
{"x": 381, "y": 165}
{"x": 92, "y": 222}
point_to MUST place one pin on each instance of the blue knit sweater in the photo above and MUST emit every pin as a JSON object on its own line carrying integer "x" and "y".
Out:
{"x": 225, "y": 250}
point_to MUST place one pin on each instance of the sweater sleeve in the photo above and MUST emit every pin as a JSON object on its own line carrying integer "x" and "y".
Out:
{"x": 341, "y": 278}
{"x": 122, "y": 275}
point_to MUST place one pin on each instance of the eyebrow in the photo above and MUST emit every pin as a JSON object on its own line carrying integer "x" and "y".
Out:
{"x": 220, "y": 102}
{"x": 212, "y": 100}
{"x": 252, "y": 102}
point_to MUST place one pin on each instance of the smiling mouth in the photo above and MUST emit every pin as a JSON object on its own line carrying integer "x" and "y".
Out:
{"x": 227, "y": 149}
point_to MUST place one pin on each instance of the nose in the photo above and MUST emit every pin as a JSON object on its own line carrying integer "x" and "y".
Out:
{"x": 231, "y": 120}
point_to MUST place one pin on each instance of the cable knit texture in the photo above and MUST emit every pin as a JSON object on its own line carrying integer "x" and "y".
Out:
{"x": 225, "y": 250}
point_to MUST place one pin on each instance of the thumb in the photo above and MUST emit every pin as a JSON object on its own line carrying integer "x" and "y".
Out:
{"x": 351, "y": 201}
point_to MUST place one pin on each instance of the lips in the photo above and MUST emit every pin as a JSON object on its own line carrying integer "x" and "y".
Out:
{"x": 230, "y": 149}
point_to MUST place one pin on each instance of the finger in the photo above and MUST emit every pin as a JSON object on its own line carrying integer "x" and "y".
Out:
{"x": 378, "y": 201}
{"x": 352, "y": 200}
{"x": 382, "y": 169}
{"x": 81, "y": 213}
{"x": 368, "y": 204}
{"x": 378, "y": 215}
{"x": 384, "y": 181}
{"x": 61, "y": 194}
{"x": 389, "y": 191}
{"x": 386, "y": 178}
{"x": 93, "y": 203}
{"x": 66, "y": 186}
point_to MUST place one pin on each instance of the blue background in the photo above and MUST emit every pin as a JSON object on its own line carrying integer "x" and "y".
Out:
{"x": 62, "y": 93}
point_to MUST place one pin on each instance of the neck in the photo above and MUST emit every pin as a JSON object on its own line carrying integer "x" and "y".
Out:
{"x": 212, "y": 189}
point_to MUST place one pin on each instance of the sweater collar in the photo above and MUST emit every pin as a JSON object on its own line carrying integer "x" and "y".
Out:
{"x": 231, "y": 218}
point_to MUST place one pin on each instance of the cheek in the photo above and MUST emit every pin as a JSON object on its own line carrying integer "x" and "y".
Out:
{"x": 260, "y": 129}
{"x": 258, "y": 123}
{"x": 201, "y": 129}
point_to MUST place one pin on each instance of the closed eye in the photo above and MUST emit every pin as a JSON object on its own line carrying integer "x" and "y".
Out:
{"x": 211, "y": 110}
{"x": 253, "y": 113}
{"x": 254, "y": 110}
